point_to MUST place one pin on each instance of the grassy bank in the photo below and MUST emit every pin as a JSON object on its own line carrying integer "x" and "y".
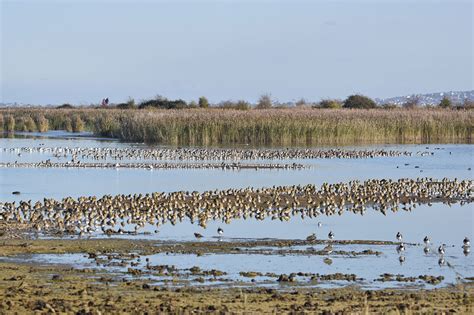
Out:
{"x": 256, "y": 127}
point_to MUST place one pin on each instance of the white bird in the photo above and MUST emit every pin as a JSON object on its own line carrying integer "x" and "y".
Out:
{"x": 426, "y": 250}
{"x": 331, "y": 235}
{"x": 401, "y": 259}
{"x": 401, "y": 248}
{"x": 466, "y": 241}
{"x": 399, "y": 236}
{"x": 220, "y": 231}
{"x": 426, "y": 240}
{"x": 441, "y": 249}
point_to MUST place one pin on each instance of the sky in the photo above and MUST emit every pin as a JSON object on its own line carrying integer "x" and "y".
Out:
{"x": 78, "y": 52}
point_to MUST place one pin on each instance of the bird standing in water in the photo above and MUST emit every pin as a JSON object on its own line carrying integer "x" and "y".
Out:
{"x": 401, "y": 248}
{"x": 426, "y": 240}
{"x": 331, "y": 235}
{"x": 466, "y": 242}
{"x": 399, "y": 236}
{"x": 441, "y": 249}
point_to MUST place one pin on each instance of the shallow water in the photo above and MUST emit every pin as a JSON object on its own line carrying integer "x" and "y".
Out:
{"x": 443, "y": 223}
{"x": 368, "y": 268}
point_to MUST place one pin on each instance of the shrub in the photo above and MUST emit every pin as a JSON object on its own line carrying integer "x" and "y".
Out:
{"x": 445, "y": 103}
{"x": 301, "y": 103}
{"x": 359, "y": 101}
{"x": 65, "y": 106}
{"x": 163, "y": 103}
{"x": 239, "y": 105}
{"x": 389, "y": 106}
{"x": 264, "y": 102}
{"x": 130, "y": 104}
{"x": 329, "y": 103}
{"x": 203, "y": 102}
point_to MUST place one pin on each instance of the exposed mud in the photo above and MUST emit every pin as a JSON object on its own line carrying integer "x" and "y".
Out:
{"x": 31, "y": 289}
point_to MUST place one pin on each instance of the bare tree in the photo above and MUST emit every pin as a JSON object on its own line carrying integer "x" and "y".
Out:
{"x": 265, "y": 101}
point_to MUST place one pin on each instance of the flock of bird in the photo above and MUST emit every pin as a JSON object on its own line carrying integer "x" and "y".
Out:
{"x": 150, "y": 166}
{"x": 112, "y": 214}
{"x": 204, "y": 154}
{"x": 185, "y": 158}
{"x": 466, "y": 247}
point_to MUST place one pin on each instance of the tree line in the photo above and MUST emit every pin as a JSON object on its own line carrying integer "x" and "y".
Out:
{"x": 266, "y": 102}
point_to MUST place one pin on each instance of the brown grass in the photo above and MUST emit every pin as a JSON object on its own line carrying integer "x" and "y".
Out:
{"x": 284, "y": 127}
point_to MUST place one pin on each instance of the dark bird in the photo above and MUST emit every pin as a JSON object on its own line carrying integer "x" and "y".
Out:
{"x": 441, "y": 249}
{"x": 331, "y": 235}
{"x": 466, "y": 241}
{"x": 401, "y": 248}
{"x": 401, "y": 259}
{"x": 197, "y": 235}
{"x": 311, "y": 238}
{"x": 426, "y": 240}
{"x": 399, "y": 236}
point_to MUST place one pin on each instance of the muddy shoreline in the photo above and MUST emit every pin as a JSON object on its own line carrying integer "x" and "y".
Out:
{"x": 28, "y": 287}
{"x": 50, "y": 289}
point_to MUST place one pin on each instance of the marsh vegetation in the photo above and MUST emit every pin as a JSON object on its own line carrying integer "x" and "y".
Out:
{"x": 276, "y": 127}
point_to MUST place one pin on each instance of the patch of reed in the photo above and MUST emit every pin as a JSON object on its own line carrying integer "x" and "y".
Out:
{"x": 270, "y": 127}
{"x": 77, "y": 123}
{"x": 9, "y": 123}
{"x": 42, "y": 123}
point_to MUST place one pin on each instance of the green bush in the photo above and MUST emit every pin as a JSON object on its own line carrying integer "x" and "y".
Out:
{"x": 330, "y": 103}
{"x": 203, "y": 102}
{"x": 359, "y": 101}
{"x": 65, "y": 106}
{"x": 445, "y": 103}
{"x": 163, "y": 103}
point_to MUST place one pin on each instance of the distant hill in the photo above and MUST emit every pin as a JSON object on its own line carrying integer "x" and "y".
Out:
{"x": 430, "y": 98}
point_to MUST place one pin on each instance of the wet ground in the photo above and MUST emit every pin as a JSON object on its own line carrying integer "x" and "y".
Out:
{"x": 262, "y": 255}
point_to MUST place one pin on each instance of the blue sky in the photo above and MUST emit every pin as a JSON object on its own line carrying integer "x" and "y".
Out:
{"x": 81, "y": 51}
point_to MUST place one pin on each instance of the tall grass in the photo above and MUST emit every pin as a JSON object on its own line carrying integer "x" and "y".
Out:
{"x": 282, "y": 127}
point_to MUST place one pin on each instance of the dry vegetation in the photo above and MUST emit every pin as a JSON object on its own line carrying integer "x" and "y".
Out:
{"x": 301, "y": 126}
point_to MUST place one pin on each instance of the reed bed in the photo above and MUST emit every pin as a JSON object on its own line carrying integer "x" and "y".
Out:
{"x": 278, "y": 127}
